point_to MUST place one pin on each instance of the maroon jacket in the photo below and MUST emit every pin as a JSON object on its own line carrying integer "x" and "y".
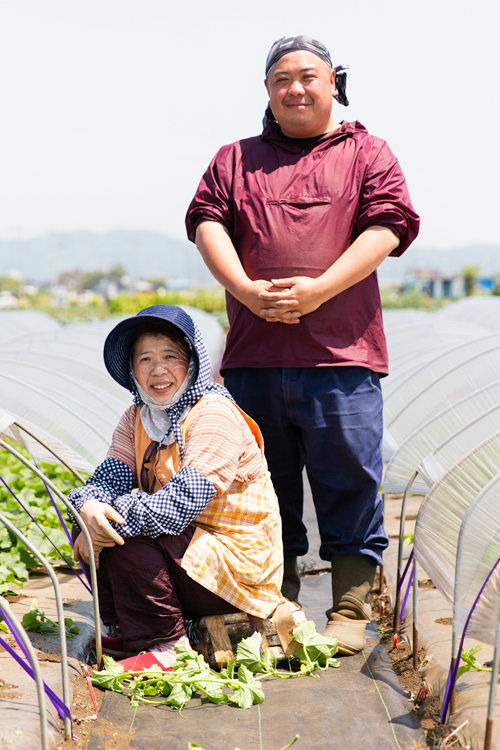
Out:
{"x": 293, "y": 213}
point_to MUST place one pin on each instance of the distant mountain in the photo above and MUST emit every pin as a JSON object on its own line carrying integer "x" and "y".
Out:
{"x": 141, "y": 253}
{"x": 151, "y": 254}
{"x": 449, "y": 261}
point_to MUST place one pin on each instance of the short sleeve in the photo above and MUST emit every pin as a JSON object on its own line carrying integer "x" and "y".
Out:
{"x": 123, "y": 441}
{"x": 213, "y": 199}
{"x": 384, "y": 199}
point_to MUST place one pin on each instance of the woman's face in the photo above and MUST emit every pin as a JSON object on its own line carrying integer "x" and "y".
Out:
{"x": 160, "y": 365}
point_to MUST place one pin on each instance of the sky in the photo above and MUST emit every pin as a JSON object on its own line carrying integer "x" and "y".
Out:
{"x": 111, "y": 110}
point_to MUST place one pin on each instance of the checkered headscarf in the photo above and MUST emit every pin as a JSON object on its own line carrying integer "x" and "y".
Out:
{"x": 200, "y": 386}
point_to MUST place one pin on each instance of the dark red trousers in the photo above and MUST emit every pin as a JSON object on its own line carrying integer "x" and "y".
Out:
{"x": 143, "y": 588}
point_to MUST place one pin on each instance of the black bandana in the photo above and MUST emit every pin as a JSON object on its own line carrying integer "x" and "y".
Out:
{"x": 294, "y": 43}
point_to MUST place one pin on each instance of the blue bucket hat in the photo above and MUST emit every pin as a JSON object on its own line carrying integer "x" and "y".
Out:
{"x": 117, "y": 345}
{"x": 117, "y": 360}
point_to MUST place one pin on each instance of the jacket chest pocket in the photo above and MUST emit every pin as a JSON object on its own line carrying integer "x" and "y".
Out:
{"x": 302, "y": 202}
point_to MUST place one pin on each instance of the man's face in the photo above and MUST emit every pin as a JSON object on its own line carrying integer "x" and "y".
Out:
{"x": 300, "y": 88}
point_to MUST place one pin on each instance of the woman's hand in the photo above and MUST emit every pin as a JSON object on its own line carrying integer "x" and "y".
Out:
{"x": 95, "y": 515}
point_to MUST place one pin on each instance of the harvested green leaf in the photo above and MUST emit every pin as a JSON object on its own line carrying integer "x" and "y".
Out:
{"x": 191, "y": 676}
{"x": 248, "y": 653}
{"x": 38, "y": 621}
{"x": 249, "y": 690}
{"x": 109, "y": 678}
{"x": 317, "y": 650}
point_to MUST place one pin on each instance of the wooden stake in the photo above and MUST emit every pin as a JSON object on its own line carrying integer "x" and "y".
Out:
{"x": 453, "y": 697}
{"x": 216, "y": 628}
{"x": 397, "y": 607}
{"x": 415, "y": 647}
{"x": 489, "y": 734}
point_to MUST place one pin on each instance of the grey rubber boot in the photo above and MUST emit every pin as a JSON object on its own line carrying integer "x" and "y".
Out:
{"x": 291, "y": 579}
{"x": 352, "y": 581}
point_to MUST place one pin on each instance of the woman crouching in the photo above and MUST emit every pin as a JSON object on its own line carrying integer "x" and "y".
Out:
{"x": 182, "y": 513}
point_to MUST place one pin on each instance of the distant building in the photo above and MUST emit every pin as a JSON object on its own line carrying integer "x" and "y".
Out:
{"x": 8, "y": 300}
{"x": 432, "y": 282}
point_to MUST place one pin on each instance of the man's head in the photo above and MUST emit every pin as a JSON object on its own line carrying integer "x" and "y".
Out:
{"x": 300, "y": 82}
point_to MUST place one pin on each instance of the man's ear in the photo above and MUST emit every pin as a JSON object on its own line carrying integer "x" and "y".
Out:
{"x": 267, "y": 85}
{"x": 332, "y": 81}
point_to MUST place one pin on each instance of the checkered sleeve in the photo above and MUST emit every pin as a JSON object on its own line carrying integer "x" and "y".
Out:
{"x": 167, "y": 511}
{"x": 111, "y": 479}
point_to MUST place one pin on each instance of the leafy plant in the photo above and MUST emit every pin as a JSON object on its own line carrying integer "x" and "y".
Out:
{"x": 37, "y": 620}
{"x": 393, "y": 300}
{"x": 212, "y": 300}
{"x": 12, "y": 570}
{"x": 15, "y": 560}
{"x": 191, "y": 675}
{"x": 469, "y": 657}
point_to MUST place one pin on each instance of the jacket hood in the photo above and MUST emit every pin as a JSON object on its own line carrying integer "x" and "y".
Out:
{"x": 272, "y": 134}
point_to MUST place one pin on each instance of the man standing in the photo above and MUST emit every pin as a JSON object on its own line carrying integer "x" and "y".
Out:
{"x": 294, "y": 223}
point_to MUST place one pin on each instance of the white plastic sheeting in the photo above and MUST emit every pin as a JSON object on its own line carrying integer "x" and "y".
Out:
{"x": 481, "y": 310}
{"x": 435, "y": 368}
{"x": 53, "y": 378}
{"x": 463, "y": 442}
{"x": 64, "y": 418}
{"x": 433, "y": 433}
{"x": 442, "y": 417}
{"x": 15, "y": 324}
{"x": 440, "y": 516}
{"x": 66, "y": 364}
{"x": 9, "y": 428}
{"x": 418, "y": 343}
{"x": 444, "y": 381}
{"x": 479, "y": 553}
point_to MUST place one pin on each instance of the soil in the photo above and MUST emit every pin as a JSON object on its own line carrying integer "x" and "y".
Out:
{"x": 427, "y": 584}
{"x": 15, "y": 597}
{"x": 427, "y": 710}
{"x": 84, "y": 715}
{"x": 8, "y": 692}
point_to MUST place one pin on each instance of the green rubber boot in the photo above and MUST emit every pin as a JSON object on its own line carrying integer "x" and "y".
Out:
{"x": 352, "y": 581}
{"x": 291, "y": 579}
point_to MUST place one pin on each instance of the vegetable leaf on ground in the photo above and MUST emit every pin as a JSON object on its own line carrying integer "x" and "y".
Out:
{"x": 191, "y": 676}
{"x": 317, "y": 650}
{"x": 37, "y": 620}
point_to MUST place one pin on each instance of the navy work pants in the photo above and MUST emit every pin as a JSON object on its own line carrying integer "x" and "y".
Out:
{"x": 328, "y": 419}
{"x": 143, "y": 588}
